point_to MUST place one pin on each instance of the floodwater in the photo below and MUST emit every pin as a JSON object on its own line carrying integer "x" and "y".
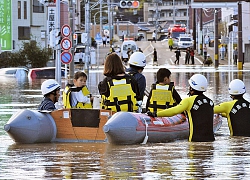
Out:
{"x": 225, "y": 158}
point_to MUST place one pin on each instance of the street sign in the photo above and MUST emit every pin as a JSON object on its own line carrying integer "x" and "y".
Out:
{"x": 98, "y": 38}
{"x": 66, "y": 44}
{"x": 65, "y": 30}
{"x": 66, "y": 57}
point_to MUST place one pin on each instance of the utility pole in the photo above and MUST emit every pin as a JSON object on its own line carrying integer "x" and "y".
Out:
{"x": 87, "y": 31}
{"x": 216, "y": 59}
{"x": 72, "y": 25}
{"x": 201, "y": 32}
{"x": 101, "y": 17}
{"x": 240, "y": 50}
{"x": 109, "y": 21}
{"x": 58, "y": 49}
{"x": 194, "y": 27}
{"x": 174, "y": 11}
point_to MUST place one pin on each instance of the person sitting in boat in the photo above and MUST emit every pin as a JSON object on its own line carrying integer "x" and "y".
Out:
{"x": 77, "y": 95}
{"x": 236, "y": 111}
{"x": 137, "y": 62}
{"x": 198, "y": 108}
{"x": 51, "y": 92}
{"x": 163, "y": 95}
{"x": 119, "y": 90}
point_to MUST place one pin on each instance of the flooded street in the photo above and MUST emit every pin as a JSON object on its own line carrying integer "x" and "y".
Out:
{"x": 225, "y": 158}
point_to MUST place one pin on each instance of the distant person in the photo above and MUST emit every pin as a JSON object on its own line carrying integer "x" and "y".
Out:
{"x": 137, "y": 62}
{"x": 209, "y": 60}
{"x": 163, "y": 94}
{"x": 192, "y": 55}
{"x": 77, "y": 95}
{"x": 51, "y": 93}
{"x": 155, "y": 58}
{"x": 209, "y": 41}
{"x": 104, "y": 41}
{"x": 140, "y": 50}
{"x": 236, "y": 111}
{"x": 205, "y": 52}
{"x": 129, "y": 52}
{"x": 222, "y": 52}
{"x": 170, "y": 43}
{"x": 235, "y": 55}
{"x": 81, "y": 57}
{"x": 177, "y": 56}
{"x": 112, "y": 49}
{"x": 118, "y": 51}
{"x": 119, "y": 91}
{"x": 187, "y": 56}
{"x": 198, "y": 108}
{"x": 154, "y": 36}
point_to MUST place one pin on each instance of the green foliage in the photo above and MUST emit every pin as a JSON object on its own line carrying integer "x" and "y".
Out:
{"x": 30, "y": 55}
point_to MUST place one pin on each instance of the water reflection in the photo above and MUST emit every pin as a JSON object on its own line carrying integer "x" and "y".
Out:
{"x": 225, "y": 158}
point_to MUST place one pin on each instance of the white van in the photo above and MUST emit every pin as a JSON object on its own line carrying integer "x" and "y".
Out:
{"x": 79, "y": 54}
{"x": 125, "y": 45}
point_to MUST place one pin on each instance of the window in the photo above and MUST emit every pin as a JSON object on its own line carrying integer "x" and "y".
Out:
{"x": 23, "y": 33}
{"x": 185, "y": 13}
{"x": 19, "y": 9}
{"x": 25, "y": 9}
{"x": 38, "y": 7}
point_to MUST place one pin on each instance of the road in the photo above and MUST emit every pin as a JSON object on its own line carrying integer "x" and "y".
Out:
{"x": 166, "y": 58}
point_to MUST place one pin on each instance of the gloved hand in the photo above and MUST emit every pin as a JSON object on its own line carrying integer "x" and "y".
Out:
{"x": 151, "y": 114}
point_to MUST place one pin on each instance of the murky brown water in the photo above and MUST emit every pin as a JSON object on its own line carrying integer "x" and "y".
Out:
{"x": 225, "y": 158}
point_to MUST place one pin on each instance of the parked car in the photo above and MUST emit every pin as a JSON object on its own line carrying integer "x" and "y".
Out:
{"x": 14, "y": 71}
{"x": 45, "y": 72}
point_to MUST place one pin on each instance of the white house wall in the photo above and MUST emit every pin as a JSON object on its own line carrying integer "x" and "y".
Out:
{"x": 245, "y": 24}
{"x": 36, "y": 22}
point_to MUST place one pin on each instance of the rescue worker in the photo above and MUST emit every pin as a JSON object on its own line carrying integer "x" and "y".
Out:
{"x": 51, "y": 92}
{"x": 236, "y": 111}
{"x": 119, "y": 90}
{"x": 137, "y": 62}
{"x": 163, "y": 95}
{"x": 170, "y": 43}
{"x": 198, "y": 109}
{"x": 77, "y": 95}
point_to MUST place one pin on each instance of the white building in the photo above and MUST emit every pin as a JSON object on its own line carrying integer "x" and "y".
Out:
{"x": 29, "y": 22}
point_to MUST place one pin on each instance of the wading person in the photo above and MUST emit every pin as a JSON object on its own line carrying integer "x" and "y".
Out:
{"x": 198, "y": 108}
{"x": 236, "y": 111}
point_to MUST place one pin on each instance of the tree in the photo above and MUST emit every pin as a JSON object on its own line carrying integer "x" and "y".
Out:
{"x": 29, "y": 55}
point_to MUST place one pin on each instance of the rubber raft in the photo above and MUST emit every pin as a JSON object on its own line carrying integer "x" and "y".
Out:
{"x": 135, "y": 128}
{"x": 65, "y": 125}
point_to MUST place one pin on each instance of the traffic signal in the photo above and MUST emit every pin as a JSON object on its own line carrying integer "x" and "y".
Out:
{"x": 129, "y": 4}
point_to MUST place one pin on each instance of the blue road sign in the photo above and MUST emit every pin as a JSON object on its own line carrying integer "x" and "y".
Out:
{"x": 98, "y": 38}
{"x": 66, "y": 57}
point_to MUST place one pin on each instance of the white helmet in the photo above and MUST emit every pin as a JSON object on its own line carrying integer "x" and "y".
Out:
{"x": 49, "y": 86}
{"x": 118, "y": 46}
{"x": 198, "y": 82}
{"x": 208, "y": 54}
{"x": 137, "y": 59}
{"x": 236, "y": 87}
